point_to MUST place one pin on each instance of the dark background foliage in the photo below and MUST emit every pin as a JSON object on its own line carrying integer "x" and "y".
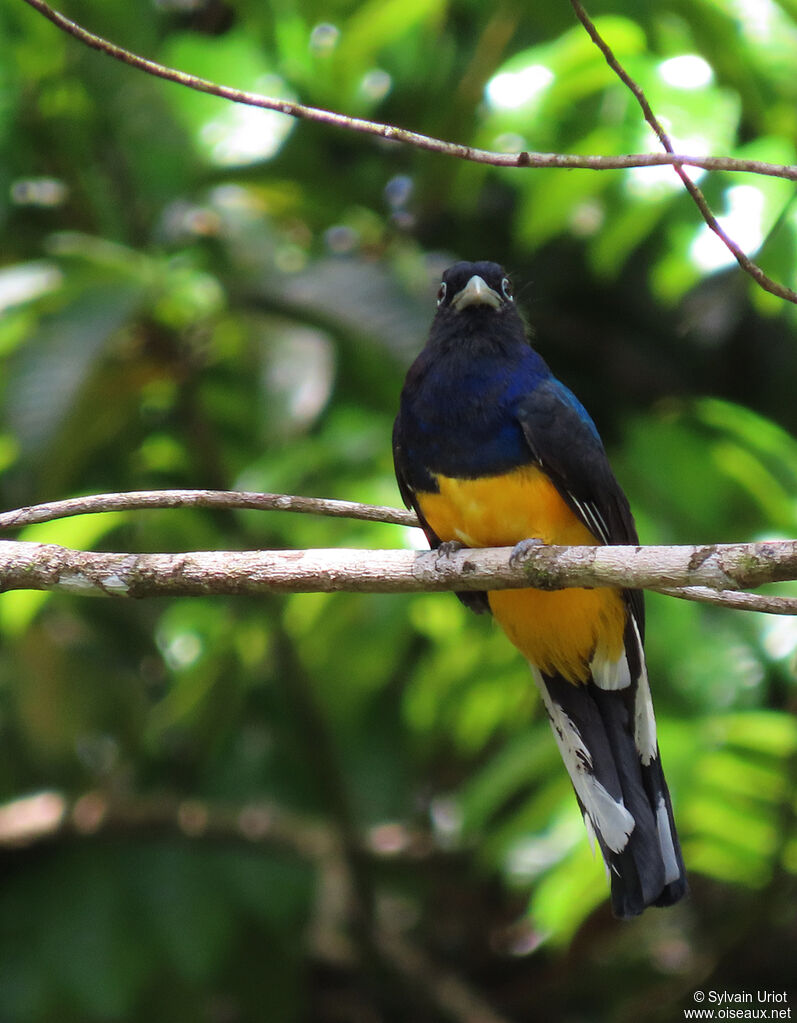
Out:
{"x": 199, "y": 294}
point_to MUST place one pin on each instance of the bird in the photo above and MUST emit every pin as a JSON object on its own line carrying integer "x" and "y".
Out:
{"x": 492, "y": 450}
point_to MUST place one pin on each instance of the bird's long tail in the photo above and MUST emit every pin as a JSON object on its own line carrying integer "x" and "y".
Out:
{"x": 607, "y": 738}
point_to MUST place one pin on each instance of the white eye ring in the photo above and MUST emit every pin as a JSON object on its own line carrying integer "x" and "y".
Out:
{"x": 506, "y": 287}
{"x": 441, "y": 293}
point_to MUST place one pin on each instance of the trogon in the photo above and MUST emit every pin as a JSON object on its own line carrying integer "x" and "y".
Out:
{"x": 491, "y": 450}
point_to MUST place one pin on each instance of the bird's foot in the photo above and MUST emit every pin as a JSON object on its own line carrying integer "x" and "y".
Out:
{"x": 447, "y": 548}
{"x": 522, "y": 548}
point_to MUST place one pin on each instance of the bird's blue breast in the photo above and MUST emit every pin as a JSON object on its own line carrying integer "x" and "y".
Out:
{"x": 458, "y": 415}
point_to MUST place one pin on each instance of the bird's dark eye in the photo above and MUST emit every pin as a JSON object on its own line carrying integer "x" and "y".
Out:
{"x": 441, "y": 293}
{"x": 506, "y": 287}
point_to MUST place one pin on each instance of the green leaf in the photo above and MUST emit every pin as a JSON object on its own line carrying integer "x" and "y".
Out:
{"x": 185, "y": 910}
{"x": 377, "y": 23}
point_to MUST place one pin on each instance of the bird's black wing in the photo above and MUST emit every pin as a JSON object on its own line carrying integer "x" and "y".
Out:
{"x": 645, "y": 866}
{"x": 405, "y": 488}
{"x": 565, "y": 444}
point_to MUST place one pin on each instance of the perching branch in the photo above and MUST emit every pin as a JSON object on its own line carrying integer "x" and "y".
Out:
{"x": 521, "y": 159}
{"x": 718, "y": 567}
{"x": 32, "y": 566}
{"x": 25, "y": 565}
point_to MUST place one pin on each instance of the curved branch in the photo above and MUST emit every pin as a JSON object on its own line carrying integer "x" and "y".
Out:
{"x": 763, "y": 602}
{"x": 412, "y": 138}
{"x": 50, "y": 816}
{"x": 137, "y": 500}
{"x": 744, "y": 261}
{"x": 47, "y": 816}
{"x": 35, "y": 566}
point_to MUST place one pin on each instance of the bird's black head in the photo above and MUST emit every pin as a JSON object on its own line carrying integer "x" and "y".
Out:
{"x": 475, "y": 307}
{"x": 475, "y": 286}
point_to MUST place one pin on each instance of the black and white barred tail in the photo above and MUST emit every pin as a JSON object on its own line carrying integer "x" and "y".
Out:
{"x": 606, "y": 735}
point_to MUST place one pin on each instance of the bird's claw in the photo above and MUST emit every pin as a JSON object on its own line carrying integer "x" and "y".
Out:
{"x": 447, "y": 548}
{"x": 522, "y": 548}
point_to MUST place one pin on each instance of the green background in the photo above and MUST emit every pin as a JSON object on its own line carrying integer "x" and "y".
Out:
{"x": 197, "y": 294}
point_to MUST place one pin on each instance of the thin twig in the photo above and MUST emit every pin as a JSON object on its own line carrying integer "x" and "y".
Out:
{"x": 136, "y": 500}
{"x": 741, "y": 258}
{"x": 395, "y": 134}
{"x": 762, "y": 602}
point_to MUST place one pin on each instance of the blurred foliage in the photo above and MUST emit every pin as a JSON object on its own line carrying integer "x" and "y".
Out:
{"x": 198, "y": 294}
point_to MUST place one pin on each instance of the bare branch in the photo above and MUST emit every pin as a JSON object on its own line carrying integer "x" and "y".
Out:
{"x": 47, "y": 816}
{"x": 764, "y": 602}
{"x": 136, "y": 500}
{"x": 58, "y": 568}
{"x": 34, "y": 566}
{"x": 402, "y": 135}
{"x": 741, "y": 258}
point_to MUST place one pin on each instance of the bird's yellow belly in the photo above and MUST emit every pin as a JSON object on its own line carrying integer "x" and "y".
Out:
{"x": 560, "y": 630}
